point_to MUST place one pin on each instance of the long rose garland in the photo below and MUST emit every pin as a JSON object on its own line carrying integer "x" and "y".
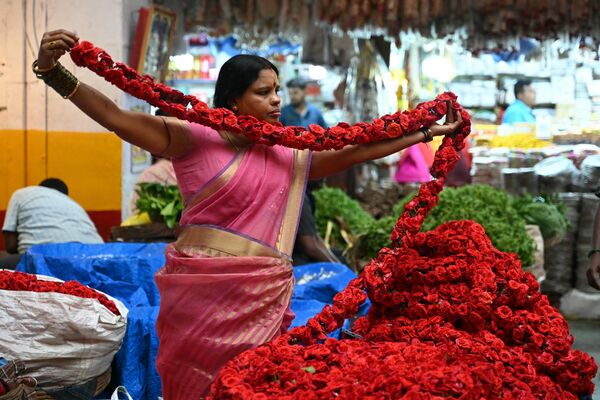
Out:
{"x": 450, "y": 315}
{"x": 18, "y": 281}
{"x": 191, "y": 109}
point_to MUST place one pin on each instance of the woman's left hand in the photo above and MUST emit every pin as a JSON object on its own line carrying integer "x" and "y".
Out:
{"x": 450, "y": 126}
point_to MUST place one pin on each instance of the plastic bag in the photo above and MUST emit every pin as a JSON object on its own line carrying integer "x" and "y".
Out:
{"x": 62, "y": 339}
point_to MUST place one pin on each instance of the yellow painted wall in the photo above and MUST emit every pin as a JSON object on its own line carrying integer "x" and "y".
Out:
{"x": 90, "y": 164}
{"x": 12, "y": 164}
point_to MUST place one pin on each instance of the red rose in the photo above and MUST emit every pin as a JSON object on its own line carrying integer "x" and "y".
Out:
{"x": 308, "y": 139}
{"x": 216, "y": 117}
{"x": 135, "y": 88}
{"x": 394, "y": 130}
{"x": 316, "y": 130}
{"x": 337, "y": 132}
{"x": 267, "y": 129}
{"x": 378, "y": 125}
{"x": 289, "y": 136}
{"x": 230, "y": 122}
{"x": 200, "y": 106}
{"x": 178, "y": 110}
{"x": 441, "y": 108}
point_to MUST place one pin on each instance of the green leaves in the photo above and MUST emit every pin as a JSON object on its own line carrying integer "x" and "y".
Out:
{"x": 490, "y": 207}
{"x": 162, "y": 202}
{"x": 544, "y": 211}
{"x": 494, "y": 209}
{"x": 332, "y": 204}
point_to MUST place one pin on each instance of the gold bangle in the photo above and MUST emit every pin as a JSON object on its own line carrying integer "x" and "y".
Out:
{"x": 37, "y": 70}
{"x": 74, "y": 90}
{"x": 428, "y": 134}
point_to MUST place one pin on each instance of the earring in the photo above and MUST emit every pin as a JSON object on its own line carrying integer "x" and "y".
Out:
{"x": 234, "y": 109}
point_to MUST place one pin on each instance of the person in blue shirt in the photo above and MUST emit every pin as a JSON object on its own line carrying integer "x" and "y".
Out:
{"x": 299, "y": 112}
{"x": 520, "y": 111}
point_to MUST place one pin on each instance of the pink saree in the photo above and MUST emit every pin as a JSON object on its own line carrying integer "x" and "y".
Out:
{"x": 228, "y": 280}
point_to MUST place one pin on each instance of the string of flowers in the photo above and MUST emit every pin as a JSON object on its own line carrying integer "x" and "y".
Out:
{"x": 451, "y": 316}
{"x": 190, "y": 108}
{"x": 19, "y": 281}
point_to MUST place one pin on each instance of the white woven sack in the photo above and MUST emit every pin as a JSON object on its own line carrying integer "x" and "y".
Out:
{"x": 62, "y": 339}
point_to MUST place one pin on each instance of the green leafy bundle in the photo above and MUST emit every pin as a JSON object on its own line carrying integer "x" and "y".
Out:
{"x": 332, "y": 204}
{"x": 375, "y": 237}
{"x": 544, "y": 211}
{"x": 162, "y": 202}
{"x": 492, "y": 208}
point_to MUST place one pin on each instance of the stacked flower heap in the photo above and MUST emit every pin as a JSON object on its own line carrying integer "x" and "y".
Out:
{"x": 451, "y": 316}
{"x": 19, "y": 281}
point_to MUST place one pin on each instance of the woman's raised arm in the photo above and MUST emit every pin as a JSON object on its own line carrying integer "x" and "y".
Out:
{"x": 149, "y": 132}
{"x": 327, "y": 163}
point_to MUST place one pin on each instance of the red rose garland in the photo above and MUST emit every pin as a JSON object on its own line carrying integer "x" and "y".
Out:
{"x": 315, "y": 138}
{"x": 450, "y": 316}
{"x": 10, "y": 280}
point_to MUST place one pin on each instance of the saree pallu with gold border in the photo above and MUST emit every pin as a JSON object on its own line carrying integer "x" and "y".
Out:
{"x": 228, "y": 280}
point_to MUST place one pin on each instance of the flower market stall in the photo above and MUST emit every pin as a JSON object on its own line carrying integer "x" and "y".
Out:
{"x": 451, "y": 315}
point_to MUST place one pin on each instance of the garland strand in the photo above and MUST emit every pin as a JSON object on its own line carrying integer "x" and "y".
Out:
{"x": 316, "y": 138}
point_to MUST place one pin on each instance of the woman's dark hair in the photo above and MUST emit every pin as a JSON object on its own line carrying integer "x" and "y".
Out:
{"x": 236, "y": 75}
{"x": 56, "y": 184}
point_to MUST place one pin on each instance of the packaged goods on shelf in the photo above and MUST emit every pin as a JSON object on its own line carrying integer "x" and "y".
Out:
{"x": 519, "y": 141}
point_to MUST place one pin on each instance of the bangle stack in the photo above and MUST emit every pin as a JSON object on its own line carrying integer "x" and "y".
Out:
{"x": 58, "y": 78}
{"x": 428, "y": 134}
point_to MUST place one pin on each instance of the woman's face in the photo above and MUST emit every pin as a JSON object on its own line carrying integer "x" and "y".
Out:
{"x": 261, "y": 99}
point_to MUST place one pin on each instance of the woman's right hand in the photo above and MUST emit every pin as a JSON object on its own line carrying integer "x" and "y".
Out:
{"x": 54, "y": 45}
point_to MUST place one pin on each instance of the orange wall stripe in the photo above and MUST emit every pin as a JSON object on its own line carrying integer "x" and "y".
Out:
{"x": 12, "y": 163}
{"x": 90, "y": 164}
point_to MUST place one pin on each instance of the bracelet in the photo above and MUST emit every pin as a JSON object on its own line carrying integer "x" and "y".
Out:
{"x": 592, "y": 252}
{"x": 38, "y": 71}
{"x": 58, "y": 78}
{"x": 428, "y": 134}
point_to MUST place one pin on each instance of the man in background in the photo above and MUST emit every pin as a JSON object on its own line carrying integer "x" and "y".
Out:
{"x": 309, "y": 246}
{"x": 44, "y": 214}
{"x": 299, "y": 112}
{"x": 521, "y": 110}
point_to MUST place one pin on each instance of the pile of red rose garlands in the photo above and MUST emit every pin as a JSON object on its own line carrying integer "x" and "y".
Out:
{"x": 451, "y": 316}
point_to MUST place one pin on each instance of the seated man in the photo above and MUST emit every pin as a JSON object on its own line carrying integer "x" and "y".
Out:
{"x": 309, "y": 246}
{"x": 44, "y": 214}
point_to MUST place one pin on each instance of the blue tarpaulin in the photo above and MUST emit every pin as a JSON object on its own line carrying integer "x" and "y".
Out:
{"x": 126, "y": 271}
{"x": 315, "y": 286}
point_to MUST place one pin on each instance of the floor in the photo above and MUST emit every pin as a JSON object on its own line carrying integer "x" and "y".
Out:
{"x": 587, "y": 338}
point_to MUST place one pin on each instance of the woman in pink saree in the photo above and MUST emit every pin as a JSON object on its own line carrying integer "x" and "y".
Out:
{"x": 227, "y": 282}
